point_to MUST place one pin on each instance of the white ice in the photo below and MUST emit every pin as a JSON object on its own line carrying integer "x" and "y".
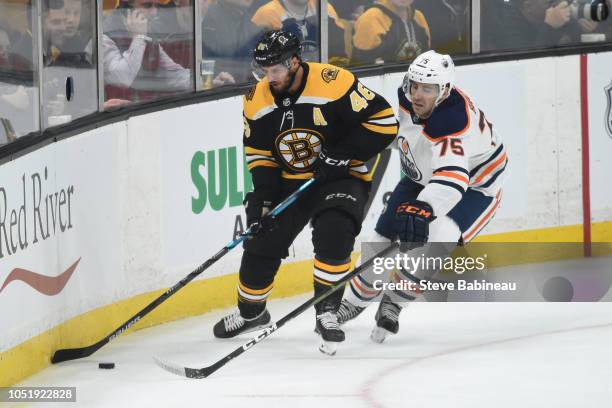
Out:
{"x": 445, "y": 355}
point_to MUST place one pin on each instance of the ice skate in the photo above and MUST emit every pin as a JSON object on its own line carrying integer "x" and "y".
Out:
{"x": 387, "y": 318}
{"x": 234, "y": 324}
{"x": 328, "y": 328}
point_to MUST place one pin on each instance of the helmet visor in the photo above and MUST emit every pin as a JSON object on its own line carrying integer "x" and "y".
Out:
{"x": 273, "y": 72}
{"x": 409, "y": 87}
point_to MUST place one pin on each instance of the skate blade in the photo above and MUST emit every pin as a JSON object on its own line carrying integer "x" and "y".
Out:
{"x": 256, "y": 328}
{"x": 328, "y": 347}
{"x": 379, "y": 334}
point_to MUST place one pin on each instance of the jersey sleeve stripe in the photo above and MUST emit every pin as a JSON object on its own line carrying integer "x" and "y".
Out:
{"x": 262, "y": 163}
{"x": 495, "y": 154}
{"x": 452, "y": 168}
{"x": 386, "y": 130}
{"x": 491, "y": 167}
{"x": 453, "y": 175}
{"x": 390, "y": 120}
{"x": 493, "y": 177}
{"x": 252, "y": 157}
{"x": 299, "y": 176}
{"x": 456, "y": 186}
{"x": 251, "y": 150}
{"x": 362, "y": 176}
{"x": 383, "y": 113}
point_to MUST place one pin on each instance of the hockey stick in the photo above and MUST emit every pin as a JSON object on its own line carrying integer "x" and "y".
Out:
{"x": 265, "y": 333}
{"x": 80, "y": 352}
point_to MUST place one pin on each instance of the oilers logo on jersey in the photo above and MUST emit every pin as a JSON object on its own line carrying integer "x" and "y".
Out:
{"x": 409, "y": 166}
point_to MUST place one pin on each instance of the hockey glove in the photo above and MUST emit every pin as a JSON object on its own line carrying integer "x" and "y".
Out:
{"x": 412, "y": 220}
{"x": 256, "y": 209}
{"x": 331, "y": 167}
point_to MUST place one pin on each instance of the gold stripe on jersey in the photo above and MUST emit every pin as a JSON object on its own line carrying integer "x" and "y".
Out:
{"x": 382, "y": 114}
{"x": 299, "y": 176}
{"x": 325, "y": 83}
{"x": 262, "y": 163}
{"x": 251, "y": 150}
{"x": 384, "y": 129}
{"x": 368, "y": 175}
{"x": 259, "y": 101}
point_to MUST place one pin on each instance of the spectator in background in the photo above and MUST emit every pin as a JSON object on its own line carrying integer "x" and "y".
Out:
{"x": 514, "y": 24}
{"x": 390, "y": 31}
{"x": 350, "y": 10}
{"x": 174, "y": 31}
{"x": 69, "y": 72}
{"x": 228, "y": 38}
{"x": 298, "y": 17}
{"x": 450, "y": 20}
{"x": 53, "y": 26}
{"x": 136, "y": 67}
{"x": 340, "y": 29}
{"x": 16, "y": 84}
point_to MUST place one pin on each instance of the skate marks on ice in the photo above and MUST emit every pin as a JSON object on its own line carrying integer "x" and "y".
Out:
{"x": 454, "y": 354}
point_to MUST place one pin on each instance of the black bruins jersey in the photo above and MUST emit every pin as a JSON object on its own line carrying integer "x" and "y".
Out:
{"x": 284, "y": 135}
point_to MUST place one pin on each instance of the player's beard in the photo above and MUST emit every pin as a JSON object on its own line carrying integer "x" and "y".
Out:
{"x": 284, "y": 89}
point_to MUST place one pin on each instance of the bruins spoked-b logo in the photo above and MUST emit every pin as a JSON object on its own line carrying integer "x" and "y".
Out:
{"x": 608, "y": 90}
{"x": 409, "y": 166}
{"x": 299, "y": 148}
{"x": 329, "y": 74}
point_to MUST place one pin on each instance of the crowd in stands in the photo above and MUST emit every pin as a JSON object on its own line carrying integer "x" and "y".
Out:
{"x": 148, "y": 45}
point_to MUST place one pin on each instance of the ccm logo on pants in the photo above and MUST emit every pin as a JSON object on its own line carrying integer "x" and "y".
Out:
{"x": 340, "y": 195}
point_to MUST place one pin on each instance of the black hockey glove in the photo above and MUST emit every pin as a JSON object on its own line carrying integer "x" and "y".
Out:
{"x": 331, "y": 167}
{"x": 412, "y": 220}
{"x": 256, "y": 209}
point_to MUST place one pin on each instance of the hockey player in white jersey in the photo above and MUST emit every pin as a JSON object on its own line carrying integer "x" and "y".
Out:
{"x": 454, "y": 161}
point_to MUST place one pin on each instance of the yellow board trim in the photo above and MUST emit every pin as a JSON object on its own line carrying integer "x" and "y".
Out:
{"x": 199, "y": 297}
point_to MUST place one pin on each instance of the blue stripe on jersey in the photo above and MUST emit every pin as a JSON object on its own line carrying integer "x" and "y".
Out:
{"x": 489, "y": 160}
{"x": 451, "y": 168}
{"x": 494, "y": 177}
{"x": 456, "y": 186}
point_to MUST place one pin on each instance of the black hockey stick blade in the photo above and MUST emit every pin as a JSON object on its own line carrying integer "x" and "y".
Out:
{"x": 75, "y": 353}
{"x": 265, "y": 333}
{"x": 80, "y": 352}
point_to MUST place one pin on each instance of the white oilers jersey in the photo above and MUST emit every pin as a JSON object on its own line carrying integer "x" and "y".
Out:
{"x": 456, "y": 148}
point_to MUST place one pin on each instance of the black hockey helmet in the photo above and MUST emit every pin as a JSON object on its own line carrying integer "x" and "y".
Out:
{"x": 276, "y": 47}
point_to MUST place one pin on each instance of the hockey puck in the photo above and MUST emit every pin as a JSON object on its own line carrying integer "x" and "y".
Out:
{"x": 106, "y": 366}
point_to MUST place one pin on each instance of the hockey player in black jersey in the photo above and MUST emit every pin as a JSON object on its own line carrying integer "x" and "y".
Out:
{"x": 305, "y": 120}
